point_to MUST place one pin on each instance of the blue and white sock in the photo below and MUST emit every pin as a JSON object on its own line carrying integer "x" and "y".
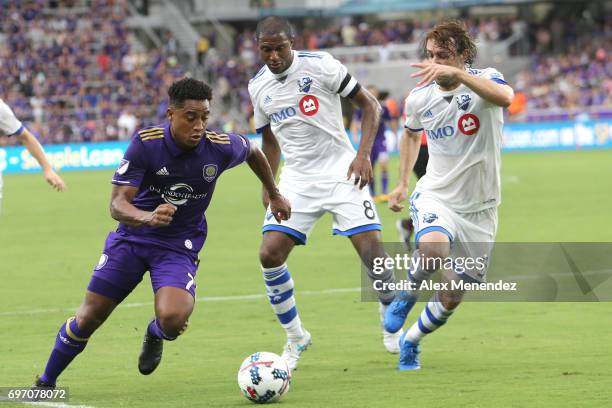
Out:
{"x": 432, "y": 317}
{"x": 279, "y": 288}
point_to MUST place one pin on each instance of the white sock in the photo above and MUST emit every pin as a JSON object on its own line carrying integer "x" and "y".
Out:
{"x": 279, "y": 288}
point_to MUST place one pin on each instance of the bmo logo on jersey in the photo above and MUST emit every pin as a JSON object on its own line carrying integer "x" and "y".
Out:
{"x": 469, "y": 124}
{"x": 309, "y": 105}
{"x": 277, "y": 117}
{"x": 439, "y": 133}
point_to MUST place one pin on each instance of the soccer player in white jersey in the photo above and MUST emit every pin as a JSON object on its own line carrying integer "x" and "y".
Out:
{"x": 461, "y": 111}
{"x": 296, "y": 100}
{"x": 11, "y": 126}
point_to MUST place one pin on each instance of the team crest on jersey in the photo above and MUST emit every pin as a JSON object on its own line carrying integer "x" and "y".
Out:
{"x": 429, "y": 217}
{"x": 463, "y": 101}
{"x": 209, "y": 172}
{"x": 304, "y": 84}
{"x": 309, "y": 105}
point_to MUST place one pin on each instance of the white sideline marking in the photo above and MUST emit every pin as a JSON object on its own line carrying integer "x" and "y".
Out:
{"x": 199, "y": 299}
{"x": 46, "y": 404}
{"x": 57, "y": 405}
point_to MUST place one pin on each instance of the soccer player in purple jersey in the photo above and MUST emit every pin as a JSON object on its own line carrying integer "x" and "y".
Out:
{"x": 161, "y": 191}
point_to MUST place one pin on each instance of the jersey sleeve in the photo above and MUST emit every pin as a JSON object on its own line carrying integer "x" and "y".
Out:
{"x": 260, "y": 119}
{"x": 336, "y": 78}
{"x": 238, "y": 150}
{"x": 9, "y": 124}
{"x": 133, "y": 166}
{"x": 412, "y": 122}
{"x": 494, "y": 75}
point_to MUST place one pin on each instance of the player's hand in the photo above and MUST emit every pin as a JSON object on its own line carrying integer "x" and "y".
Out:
{"x": 280, "y": 208}
{"x": 431, "y": 72}
{"x": 265, "y": 198}
{"x": 397, "y": 196}
{"x": 362, "y": 169}
{"x": 161, "y": 216}
{"x": 54, "y": 180}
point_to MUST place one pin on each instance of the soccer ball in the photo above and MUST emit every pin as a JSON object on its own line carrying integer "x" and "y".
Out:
{"x": 264, "y": 377}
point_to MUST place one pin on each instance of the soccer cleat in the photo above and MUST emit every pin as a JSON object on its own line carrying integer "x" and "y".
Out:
{"x": 39, "y": 384}
{"x": 293, "y": 351}
{"x": 42, "y": 384}
{"x": 151, "y": 354}
{"x": 381, "y": 198}
{"x": 390, "y": 340}
{"x": 396, "y": 313}
{"x": 409, "y": 355}
{"x": 405, "y": 229}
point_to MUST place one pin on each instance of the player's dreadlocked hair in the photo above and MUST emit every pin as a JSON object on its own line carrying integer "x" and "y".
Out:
{"x": 188, "y": 88}
{"x": 274, "y": 25}
{"x": 454, "y": 37}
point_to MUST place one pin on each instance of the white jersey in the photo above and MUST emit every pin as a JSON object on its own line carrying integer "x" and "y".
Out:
{"x": 302, "y": 107}
{"x": 9, "y": 124}
{"x": 464, "y": 133}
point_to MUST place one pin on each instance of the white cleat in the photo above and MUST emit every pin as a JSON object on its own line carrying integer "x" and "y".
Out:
{"x": 292, "y": 351}
{"x": 390, "y": 340}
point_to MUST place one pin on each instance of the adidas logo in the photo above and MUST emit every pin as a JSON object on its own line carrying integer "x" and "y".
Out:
{"x": 428, "y": 114}
{"x": 267, "y": 100}
{"x": 163, "y": 172}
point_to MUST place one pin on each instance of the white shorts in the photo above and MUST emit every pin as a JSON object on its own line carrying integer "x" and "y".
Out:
{"x": 353, "y": 210}
{"x": 470, "y": 234}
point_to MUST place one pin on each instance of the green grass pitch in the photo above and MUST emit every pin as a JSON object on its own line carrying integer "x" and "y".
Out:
{"x": 488, "y": 355}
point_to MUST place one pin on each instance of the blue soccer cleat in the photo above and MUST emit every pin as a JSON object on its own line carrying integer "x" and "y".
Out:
{"x": 396, "y": 313}
{"x": 409, "y": 355}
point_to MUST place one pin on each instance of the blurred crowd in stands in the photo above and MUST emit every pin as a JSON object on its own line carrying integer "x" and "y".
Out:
{"x": 70, "y": 73}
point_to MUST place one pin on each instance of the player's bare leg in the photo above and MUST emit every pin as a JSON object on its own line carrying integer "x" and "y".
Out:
{"x": 369, "y": 246}
{"x": 273, "y": 253}
{"x": 173, "y": 306}
{"x": 74, "y": 334}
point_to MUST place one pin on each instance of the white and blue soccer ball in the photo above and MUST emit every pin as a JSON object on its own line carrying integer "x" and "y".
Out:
{"x": 264, "y": 377}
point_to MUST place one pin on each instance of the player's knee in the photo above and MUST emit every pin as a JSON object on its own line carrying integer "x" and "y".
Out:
{"x": 173, "y": 322}
{"x": 270, "y": 257}
{"x": 89, "y": 319}
{"x": 434, "y": 254}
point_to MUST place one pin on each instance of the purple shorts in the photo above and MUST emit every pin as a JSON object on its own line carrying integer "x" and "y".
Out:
{"x": 378, "y": 148}
{"x": 123, "y": 264}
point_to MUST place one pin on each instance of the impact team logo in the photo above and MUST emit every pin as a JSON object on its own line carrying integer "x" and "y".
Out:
{"x": 428, "y": 218}
{"x": 209, "y": 172}
{"x": 309, "y": 105}
{"x": 304, "y": 84}
{"x": 463, "y": 101}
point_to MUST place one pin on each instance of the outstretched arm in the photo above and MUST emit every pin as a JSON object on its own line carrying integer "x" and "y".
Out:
{"x": 257, "y": 161}
{"x": 361, "y": 166}
{"x": 409, "y": 150}
{"x": 36, "y": 150}
{"x": 493, "y": 92}
{"x": 124, "y": 211}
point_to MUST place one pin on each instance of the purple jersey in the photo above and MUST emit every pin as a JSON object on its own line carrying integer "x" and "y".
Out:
{"x": 164, "y": 173}
{"x": 382, "y": 127}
